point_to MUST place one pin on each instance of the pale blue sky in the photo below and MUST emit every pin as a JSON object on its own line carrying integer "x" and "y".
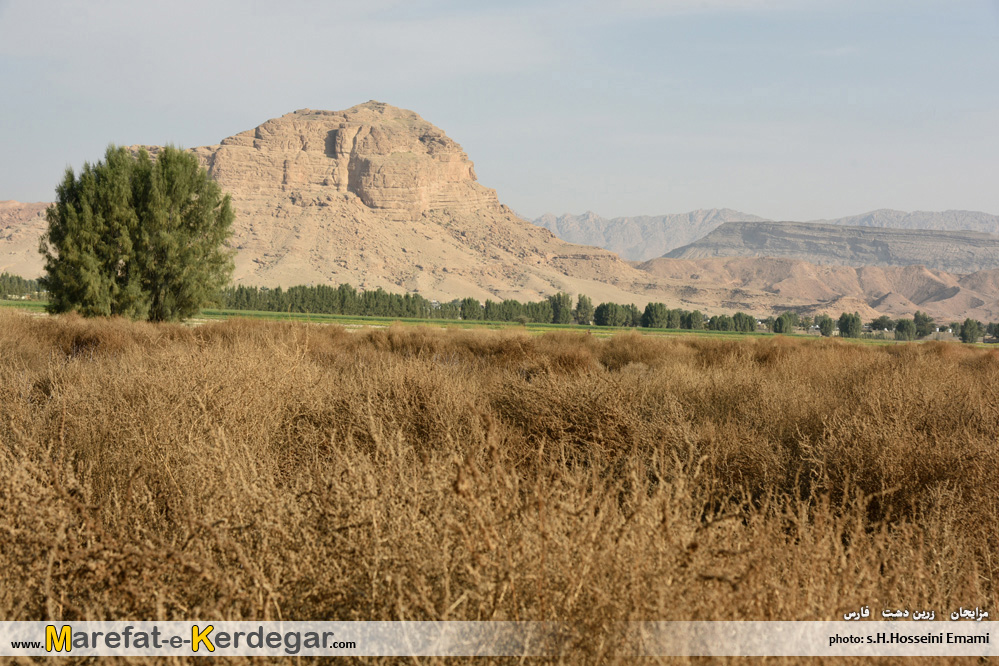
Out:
{"x": 790, "y": 109}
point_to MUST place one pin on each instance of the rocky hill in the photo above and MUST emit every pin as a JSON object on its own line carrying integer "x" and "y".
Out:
{"x": 376, "y": 196}
{"x": 953, "y": 251}
{"x": 639, "y": 238}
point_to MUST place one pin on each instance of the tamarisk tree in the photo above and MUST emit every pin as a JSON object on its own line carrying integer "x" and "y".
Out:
{"x": 137, "y": 237}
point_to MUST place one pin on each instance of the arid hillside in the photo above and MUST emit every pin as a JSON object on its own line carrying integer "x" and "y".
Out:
{"x": 764, "y": 284}
{"x": 374, "y": 196}
{"x": 21, "y": 224}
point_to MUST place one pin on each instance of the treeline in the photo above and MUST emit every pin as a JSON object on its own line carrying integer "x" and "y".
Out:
{"x": 15, "y": 286}
{"x": 557, "y": 309}
{"x": 347, "y": 300}
{"x": 922, "y": 325}
{"x": 560, "y": 309}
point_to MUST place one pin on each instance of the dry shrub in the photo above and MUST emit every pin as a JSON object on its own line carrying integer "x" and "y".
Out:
{"x": 249, "y": 470}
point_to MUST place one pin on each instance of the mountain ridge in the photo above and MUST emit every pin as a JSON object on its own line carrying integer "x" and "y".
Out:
{"x": 951, "y": 251}
{"x": 644, "y": 237}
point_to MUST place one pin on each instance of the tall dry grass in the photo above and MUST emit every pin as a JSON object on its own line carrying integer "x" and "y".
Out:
{"x": 262, "y": 470}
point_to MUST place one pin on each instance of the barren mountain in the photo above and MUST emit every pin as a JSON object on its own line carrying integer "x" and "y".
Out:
{"x": 644, "y": 237}
{"x": 954, "y": 251}
{"x": 947, "y": 220}
{"x": 639, "y": 238}
{"x": 378, "y": 197}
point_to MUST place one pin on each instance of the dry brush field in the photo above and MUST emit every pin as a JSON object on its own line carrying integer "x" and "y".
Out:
{"x": 258, "y": 470}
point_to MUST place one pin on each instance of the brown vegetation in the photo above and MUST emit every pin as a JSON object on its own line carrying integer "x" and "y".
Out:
{"x": 263, "y": 470}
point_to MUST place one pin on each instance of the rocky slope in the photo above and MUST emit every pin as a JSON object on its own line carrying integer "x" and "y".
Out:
{"x": 21, "y": 225}
{"x": 639, "y": 238}
{"x": 953, "y": 251}
{"x": 760, "y": 285}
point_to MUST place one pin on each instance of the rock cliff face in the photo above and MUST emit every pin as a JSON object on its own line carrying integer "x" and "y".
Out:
{"x": 390, "y": 159}
{"x": 952, "y": 251}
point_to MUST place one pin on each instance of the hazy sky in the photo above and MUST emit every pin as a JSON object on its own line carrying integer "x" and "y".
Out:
{"x": 789, "y": 109}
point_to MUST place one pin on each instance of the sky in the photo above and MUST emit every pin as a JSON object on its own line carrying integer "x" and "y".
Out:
{"x": 787, "y": 109}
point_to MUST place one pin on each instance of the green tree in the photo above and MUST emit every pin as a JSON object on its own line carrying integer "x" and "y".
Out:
{"x": 825, "y": 324}
{"x": 561, "y": 308}
{"x": 785, "y": 323}
{"x": 693, "y": 320}
{"x": 721, "y": 323}
{"x": 905, "y": 329}
{"x": 883, "y": 323}
{"x": 611, "y": 314}
{"x": 850, "y": 325}
{"x": 136, "y": 237}
{"x": 992, "y": 330}
{"x": 656, "y": 315}
{"x": 744, "y": 323}
{"x": 471, "y": 308}
{"x": 634, "y": 315}
{"x": 971, "y": 330}
{"x": 924, "y": 324}
{"x": 584, "y": 310}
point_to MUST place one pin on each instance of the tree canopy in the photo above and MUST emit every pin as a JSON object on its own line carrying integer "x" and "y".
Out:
{"x": 137, "y": 237}
{"x": 850, "y": 325}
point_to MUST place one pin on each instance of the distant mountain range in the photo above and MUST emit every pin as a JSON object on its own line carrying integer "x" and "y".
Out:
{"x": 959, "y": 252}
{"x": 643, "y": 237}
{"x": 646, "y": 236}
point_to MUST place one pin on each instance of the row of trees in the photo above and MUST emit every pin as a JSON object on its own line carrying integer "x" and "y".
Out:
{"x": 347, "y": 300}
{"x": 922, "y": 325}
{"x": 15, "y": 286}
{"x": 556, "y": 309}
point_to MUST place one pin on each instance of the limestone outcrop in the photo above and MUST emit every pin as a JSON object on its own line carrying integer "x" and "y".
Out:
{"x": 390, "y": 159}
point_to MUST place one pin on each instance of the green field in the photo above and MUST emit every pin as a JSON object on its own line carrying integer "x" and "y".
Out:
{"x": 211, "y": 314}
{"x": 355, "y": 321}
